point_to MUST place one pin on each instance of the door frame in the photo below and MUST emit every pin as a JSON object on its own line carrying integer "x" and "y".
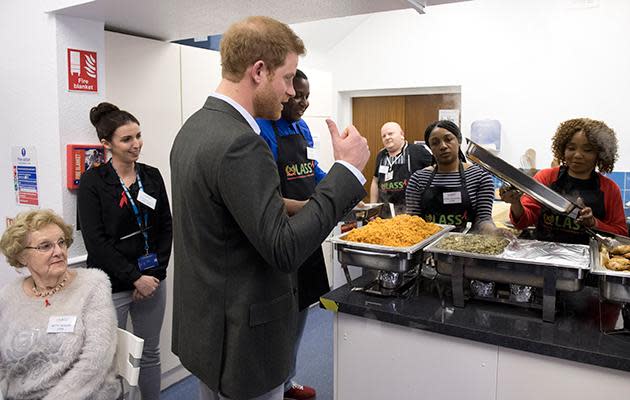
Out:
{"x": 344, "y": 98}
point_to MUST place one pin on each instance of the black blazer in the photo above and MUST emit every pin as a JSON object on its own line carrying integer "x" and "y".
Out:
{"x": 104, "y": 222}
{"x": 236, "y": 251}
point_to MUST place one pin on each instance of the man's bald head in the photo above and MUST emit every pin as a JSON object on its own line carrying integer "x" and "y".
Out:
{"x": 393, "y": 137}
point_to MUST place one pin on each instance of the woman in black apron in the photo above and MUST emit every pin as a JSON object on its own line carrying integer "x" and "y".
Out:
{"x": 581, "y": 145}
{"x": 451, "y": 191}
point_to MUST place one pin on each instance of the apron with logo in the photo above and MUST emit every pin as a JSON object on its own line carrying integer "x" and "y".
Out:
{"x": 297, "y": 182}
{"x": 445, "y": 205}
{"x": 393, "y": 183}
{"x": 556, "y": 227}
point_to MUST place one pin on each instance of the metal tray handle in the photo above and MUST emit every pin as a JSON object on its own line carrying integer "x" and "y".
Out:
{"x": 368, "y": 253}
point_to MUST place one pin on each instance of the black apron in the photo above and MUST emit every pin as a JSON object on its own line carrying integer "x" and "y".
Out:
{"x": 297, "y": 182}
{"x": 393, "y": 190}
{"x": 443, "y": 205}
{"x": 555, "y": 227}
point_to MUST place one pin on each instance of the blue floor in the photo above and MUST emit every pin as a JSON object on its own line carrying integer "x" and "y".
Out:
{"x": 314, "y": 366}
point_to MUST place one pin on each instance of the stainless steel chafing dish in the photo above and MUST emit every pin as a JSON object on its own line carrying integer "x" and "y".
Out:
{"x": 386, "y": 258}
{"x": 614, "y": 290}
{"x": 520, "y": 180}
{"x": 564, "y": 272}
{"x": 396, "y": 266}
{"x": 613, "y": 285}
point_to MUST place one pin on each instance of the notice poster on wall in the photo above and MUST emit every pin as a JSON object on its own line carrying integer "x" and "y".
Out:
{"x": 449, "y": 115}
{"x": 82, "y": 71}
{"x": 25, "y": 175}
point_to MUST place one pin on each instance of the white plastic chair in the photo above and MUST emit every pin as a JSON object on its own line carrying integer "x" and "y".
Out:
{"x": 128, "y": 355}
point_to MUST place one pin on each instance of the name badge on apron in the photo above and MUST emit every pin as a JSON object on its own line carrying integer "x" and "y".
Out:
{"x": 311, "y": 153}
{"x": 147, "y": 199}
{"x": 61, "y": 324}
{"x": 389, "y": 176}
{"x": 383, "y": 169}
{"x": 452, "y": 197}
{"x": 147, "y": 262}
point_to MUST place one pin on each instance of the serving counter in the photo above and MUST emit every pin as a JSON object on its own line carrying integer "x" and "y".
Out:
{"x": 421, "y": 347}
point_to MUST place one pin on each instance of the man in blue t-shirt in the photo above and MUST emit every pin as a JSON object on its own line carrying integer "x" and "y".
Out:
{"x": 291, "y": 143}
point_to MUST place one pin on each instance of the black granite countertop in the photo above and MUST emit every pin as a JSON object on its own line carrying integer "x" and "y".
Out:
{"x": 574, "y": 336}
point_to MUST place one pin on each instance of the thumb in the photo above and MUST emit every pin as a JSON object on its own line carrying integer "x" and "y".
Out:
{"x": 334, "y": 131}
{"x": 580, "y": 202}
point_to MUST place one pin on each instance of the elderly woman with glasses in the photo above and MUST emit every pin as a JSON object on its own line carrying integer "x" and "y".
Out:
{"x": 58, "y": 335}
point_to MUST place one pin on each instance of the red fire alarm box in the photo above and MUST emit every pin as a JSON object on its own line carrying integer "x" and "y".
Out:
{"x": 80, "y": 158}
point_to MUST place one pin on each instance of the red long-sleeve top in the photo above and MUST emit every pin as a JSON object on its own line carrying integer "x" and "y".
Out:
{"x": 614, "y": 222}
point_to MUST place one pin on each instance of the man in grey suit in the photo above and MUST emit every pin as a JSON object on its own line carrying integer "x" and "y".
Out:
{"x": 236, "y": 249}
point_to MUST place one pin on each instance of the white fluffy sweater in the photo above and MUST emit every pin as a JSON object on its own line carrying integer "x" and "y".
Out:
{"x": 61, "y": 366}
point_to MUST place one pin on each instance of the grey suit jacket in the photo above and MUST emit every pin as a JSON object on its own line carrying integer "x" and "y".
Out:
{"x": 236, "y": 251}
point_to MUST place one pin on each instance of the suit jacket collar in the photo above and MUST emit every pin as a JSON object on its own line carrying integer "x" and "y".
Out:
{"x": 223, "y": 103}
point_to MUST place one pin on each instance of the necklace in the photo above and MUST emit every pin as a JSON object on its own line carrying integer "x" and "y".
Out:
{"x": 50, "y": 292}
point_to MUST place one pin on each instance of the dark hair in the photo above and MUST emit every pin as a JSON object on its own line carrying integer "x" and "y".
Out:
{"x": 106, "y": 118}
{"x": 597, "y": 133}
{"x": 449, "y": 126}
{"x": 300, "y": 75}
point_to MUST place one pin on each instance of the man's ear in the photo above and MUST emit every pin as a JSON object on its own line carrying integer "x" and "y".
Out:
{"x": 258, "y": 71}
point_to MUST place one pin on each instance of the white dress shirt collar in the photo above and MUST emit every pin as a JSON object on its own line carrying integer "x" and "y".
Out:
{"x": 248, "y": 117}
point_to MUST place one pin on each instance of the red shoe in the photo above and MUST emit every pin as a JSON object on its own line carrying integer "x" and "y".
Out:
{"x": 299, "y": 392}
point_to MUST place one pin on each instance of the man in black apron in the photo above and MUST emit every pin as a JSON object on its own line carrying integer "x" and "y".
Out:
{"x": 291, "y": 143}
{"x": 394, "y": 165}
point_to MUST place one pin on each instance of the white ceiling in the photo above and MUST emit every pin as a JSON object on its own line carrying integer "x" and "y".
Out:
{"x": 183, "y": 19}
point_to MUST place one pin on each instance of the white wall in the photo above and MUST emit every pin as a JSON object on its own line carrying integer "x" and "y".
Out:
{"x": 74, "y": 107}
{"x": 200, "y": 75}
{"x": 530, "y": 64}
{"x": 36, "y": 109}
{"x": 144, "y": 79}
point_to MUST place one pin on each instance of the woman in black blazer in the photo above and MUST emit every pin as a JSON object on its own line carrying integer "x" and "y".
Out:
{"x": 125, "y": 220}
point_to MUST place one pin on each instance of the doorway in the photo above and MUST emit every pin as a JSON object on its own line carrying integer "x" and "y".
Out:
{"x": 413, "y": 112}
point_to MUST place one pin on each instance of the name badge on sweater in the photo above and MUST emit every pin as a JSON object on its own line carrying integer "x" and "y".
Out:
{"x": 383, "y": 169}
{"x": 61, "y": 324}
{"x": 389, "y": 176}
{"x": 452, "y": 197}
{"x": 147, "y": 199}
{"x": 311, "y": 153}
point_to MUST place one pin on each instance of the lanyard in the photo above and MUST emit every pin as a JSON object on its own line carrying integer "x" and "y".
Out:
{"x": 391, "y": 161}
{"x": 136, "y": 212}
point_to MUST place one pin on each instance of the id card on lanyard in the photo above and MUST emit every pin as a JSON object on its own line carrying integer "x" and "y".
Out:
{"x": 148, "y": 260}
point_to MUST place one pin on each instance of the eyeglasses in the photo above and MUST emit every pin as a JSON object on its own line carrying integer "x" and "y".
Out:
{"x": 48, "y": 246}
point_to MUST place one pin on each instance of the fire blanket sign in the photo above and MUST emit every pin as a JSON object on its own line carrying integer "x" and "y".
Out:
{"x": 25, "y": 175}
{"x": 82, "y": 71}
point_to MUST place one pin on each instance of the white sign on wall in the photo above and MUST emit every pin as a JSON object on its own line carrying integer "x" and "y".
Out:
{"x": 449, "y": 115}
{"x": 25, "y": 175}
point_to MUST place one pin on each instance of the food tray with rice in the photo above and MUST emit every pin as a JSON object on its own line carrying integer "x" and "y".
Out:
{"x": 612, "y": 264}
{"x": 388, "y": 244}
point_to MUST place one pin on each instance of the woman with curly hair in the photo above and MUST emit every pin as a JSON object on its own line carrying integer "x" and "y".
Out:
{"x": 581, "y": 145}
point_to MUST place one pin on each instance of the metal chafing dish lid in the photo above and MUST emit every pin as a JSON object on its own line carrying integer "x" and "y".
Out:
{"x": 518, "y": 179}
